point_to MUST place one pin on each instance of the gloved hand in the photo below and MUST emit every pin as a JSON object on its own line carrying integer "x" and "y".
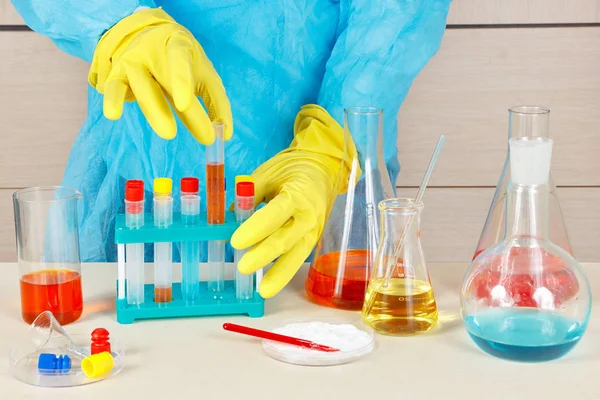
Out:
{"x": 300, "y": 185}
{"x": 147, "y": 56}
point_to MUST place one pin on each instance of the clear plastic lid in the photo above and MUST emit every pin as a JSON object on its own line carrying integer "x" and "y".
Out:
{"x": 63, "y": 355}
{"x": 353, "y": 340}
{"x": 24, "y": 356}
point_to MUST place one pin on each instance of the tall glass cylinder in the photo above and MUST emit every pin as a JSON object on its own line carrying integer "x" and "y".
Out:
{"x": 345, "y": 253}
{"x": 523, "y": 122}
{"x": 46, "y": 227}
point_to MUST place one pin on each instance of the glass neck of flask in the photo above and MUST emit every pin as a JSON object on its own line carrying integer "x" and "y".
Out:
{"x": 527, "y": 211}
{"x": 364, "y": 126}
{"x": 395, "y": 213}
{"x": 528, "y": 122}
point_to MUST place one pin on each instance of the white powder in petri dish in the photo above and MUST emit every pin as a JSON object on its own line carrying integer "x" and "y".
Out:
{"x": 351, "y": 341}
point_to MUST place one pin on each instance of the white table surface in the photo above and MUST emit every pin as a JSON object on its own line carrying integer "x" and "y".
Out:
{"x": 194, "y": 358}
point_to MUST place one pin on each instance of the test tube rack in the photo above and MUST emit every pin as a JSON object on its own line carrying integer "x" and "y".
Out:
{"x": 206, "y": 305}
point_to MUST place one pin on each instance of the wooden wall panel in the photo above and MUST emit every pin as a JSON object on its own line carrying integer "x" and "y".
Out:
{"x": 43, "y": 98}
{"x": 524, "y": 11}
{"x": 468, "y": 12}
{"x": 7, "y": 227}
{"x": 453, "y": 219}
{"x": 8, "y": 14}
{"x": 451, "y": 225}
{"x": 464, "y": 93}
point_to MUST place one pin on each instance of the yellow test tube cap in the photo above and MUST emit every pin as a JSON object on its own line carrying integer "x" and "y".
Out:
{"x": 163, "y": 186}
{"x": 243, "y": 178}
{"x": 97, "y": 365}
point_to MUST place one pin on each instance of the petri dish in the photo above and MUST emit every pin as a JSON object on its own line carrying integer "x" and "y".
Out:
{"x": 23, "y": 359}
{"x": 359, "y": 341}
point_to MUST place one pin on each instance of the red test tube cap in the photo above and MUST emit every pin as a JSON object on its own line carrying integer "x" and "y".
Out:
{"x": 189, "y": 185}
{"x": 134, "y": 190}
{"x": 100, "y": 341}
{"x": 245, "y": 189}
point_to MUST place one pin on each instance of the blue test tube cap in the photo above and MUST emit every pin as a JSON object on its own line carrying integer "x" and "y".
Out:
{"x": 51, "y": 363}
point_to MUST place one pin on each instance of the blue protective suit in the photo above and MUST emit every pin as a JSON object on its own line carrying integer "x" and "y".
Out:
{"x": 273, "y": 56}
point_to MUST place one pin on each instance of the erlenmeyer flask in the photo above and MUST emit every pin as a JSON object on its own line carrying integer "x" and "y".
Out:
{"x": 523, "y": 122}
{"x": 346, "y": 250}
{"x": 400, "y": 301}
{"x": 526, "y": 298}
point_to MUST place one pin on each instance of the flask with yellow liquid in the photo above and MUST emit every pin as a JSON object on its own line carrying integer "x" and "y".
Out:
{"x": 399, "y": 298}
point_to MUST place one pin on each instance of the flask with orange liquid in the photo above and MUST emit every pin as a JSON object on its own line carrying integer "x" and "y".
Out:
{"x": 345, "y": 253}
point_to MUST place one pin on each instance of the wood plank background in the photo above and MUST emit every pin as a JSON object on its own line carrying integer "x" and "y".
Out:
{"x": 485, "y": 12}
{"x": 464, "y": 93}
{"x": 468, "y": 12}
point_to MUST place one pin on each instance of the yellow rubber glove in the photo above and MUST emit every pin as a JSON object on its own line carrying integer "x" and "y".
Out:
{"x": 147, "y": 56}
{"x": 300, "y": 186}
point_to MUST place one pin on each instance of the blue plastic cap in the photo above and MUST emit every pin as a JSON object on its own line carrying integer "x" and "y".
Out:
{"x": 46, "y": 362}
{"x": 66, "y": 364}
{"x": 51, "y": 363}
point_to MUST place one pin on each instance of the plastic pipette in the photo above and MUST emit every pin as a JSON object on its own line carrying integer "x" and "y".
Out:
{"x": 134, "y": 264}
{"x": 163, "y": 259}
{"x": 190, "y": 251}
{"x": 215, "y": 199}
{"x": 277, "y": 337}
{"x": 244, "y": 207}
{"x": 418, "y": 198}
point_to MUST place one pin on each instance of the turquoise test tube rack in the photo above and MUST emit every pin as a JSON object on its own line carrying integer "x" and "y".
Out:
{"x": 206, "y": 305}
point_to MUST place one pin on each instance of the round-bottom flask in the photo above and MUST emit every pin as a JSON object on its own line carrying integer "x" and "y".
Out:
{"x": 526, "y": 299}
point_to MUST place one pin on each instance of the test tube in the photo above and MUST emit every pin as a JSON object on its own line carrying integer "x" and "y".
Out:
{"x": 134, "y": 264}
{"x": 244, "y": 207}
{"x": 215, "y": 200}
{"x": 190, "y": 251}
{"x": 163, "y": 259}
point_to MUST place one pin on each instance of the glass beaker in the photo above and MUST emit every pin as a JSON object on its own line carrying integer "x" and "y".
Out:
{"x": 526, "y": 299}
{"x": 400, "y": 299}
{"x": 523, "y": 122}
{"x": 46, "y": 227}
{"x": 345, "y": 254}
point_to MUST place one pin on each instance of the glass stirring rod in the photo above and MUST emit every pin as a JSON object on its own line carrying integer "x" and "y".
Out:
{"x": 418, "y": 198}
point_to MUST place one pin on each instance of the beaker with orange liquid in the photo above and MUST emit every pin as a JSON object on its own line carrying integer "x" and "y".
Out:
{"x": 46, "y": 227}
{"x": 345, "y": 254}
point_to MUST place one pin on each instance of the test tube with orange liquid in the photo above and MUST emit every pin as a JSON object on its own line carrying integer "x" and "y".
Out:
{"x": 215, "y": 199}
{"x": 46, "y": 227}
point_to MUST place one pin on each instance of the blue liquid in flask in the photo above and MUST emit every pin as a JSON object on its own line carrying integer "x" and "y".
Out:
{"x": 525, "y": 334}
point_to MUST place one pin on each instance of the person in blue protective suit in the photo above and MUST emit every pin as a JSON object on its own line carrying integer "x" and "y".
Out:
{"x": 277, "y": 73}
